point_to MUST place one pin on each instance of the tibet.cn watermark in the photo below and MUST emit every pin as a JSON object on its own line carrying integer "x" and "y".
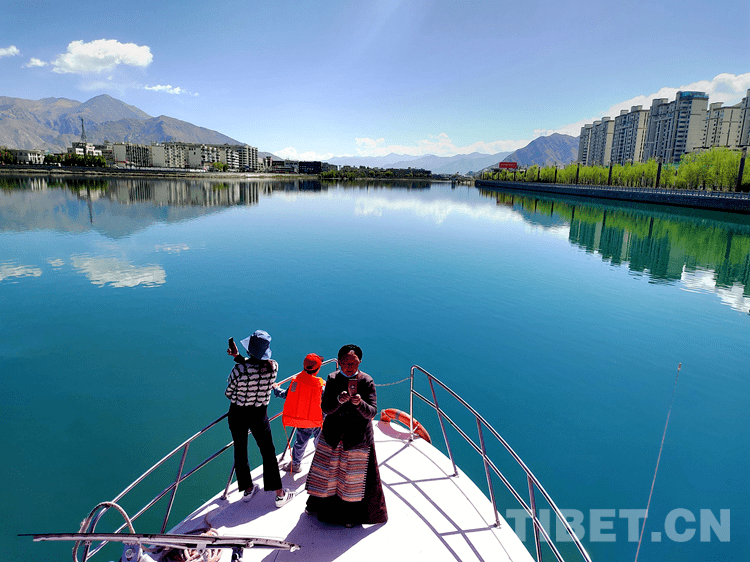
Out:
{"x": 607, "y": 525}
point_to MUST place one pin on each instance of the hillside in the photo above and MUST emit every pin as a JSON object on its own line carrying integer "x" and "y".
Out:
{"x": 547, "y": 151}
{"x": 54, "y": 123}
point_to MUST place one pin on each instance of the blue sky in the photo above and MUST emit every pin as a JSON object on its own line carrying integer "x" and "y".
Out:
{"x": 313, "y": 80}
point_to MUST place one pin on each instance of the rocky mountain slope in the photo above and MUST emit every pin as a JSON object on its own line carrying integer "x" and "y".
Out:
{"x": 546, "y": 151}
{"x": 54, "y": 123}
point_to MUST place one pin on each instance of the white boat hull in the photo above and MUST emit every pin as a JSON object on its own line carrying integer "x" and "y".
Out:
{"x": 432, "y": 515}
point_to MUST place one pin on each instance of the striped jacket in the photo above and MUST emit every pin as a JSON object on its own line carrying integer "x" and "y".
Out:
{"x": 250, "y": 382}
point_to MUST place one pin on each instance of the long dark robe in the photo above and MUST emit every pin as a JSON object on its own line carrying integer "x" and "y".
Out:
{"x": 351, "y": 426}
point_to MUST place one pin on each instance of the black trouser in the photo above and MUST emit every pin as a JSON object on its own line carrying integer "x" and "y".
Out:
{"x": 254, "y": 419}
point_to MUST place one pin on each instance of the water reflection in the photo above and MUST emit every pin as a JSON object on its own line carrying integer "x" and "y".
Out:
{"x": 186, "y": 191}
{"x": 116, "y": 208}
{"x": 10, "y": 271}
{"x": 702, "y": 250}
{"x": 699, "y": 250}
{"x": 117, "y": 272}
{"x": 119, "y": 207}
{"x": 436, "y": 209}
{"x": 198, "y": 192}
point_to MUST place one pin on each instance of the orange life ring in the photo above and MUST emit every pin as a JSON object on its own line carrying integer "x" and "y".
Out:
{"x": 393, "y": 414}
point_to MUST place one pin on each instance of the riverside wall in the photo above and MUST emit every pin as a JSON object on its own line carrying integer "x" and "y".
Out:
{"x": 714, "y": 200}
{"x": 160, "y": 173}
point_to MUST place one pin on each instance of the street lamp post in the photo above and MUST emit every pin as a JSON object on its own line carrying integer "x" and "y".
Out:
{"x": 658, "y": 172}
{"x": 742, "y": 170}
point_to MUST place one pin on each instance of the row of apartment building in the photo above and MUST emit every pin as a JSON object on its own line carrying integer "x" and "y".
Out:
{"x": 162, "y": 155}
{"x": 666, "y": 131}
{"x": 197, "y": 156}
{"x": 184, "y": 155}
{"x": 177, "y": 155}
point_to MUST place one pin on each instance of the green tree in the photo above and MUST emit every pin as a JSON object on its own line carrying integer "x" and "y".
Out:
{"x": 6, "y": 157}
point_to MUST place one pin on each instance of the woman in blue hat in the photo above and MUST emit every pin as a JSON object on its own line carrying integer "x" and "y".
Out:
{"x": 249, "y": 390}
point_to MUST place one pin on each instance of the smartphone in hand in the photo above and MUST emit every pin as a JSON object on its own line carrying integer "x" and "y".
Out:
{"x": 232, "y": 347}
{"x": 352, "y": 387}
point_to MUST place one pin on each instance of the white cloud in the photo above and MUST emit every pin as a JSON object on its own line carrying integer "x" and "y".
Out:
{"x": 9, "y": 270}
{"x": 55, "y": 262}
{"x": 704, "y": 281}
{"x": 119, "y": 273}
{"x": 172, "y": 248}
{"x": 436, "y": 211}
{"x": 168, "y": 89}
{"x": 102, "y": 55}
{"x": 291, "y": 153}
{"x": 439, "y": 145}
{"x": 9, "y": 51}
{"x": 726, "y": 88}
{"x": 33, "y": 63}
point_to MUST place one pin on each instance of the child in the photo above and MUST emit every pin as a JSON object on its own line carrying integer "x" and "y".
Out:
{"x": 302, "y": 407}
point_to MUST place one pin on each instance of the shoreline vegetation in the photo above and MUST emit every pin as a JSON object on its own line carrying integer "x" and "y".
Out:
{"x": 717, "y": 169}
{"x": 367, "y": 173}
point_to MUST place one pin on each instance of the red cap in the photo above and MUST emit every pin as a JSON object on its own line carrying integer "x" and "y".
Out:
{"x": 313, "y": 362}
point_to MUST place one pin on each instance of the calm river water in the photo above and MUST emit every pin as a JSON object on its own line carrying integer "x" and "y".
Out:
{"x": 563, "y": 321}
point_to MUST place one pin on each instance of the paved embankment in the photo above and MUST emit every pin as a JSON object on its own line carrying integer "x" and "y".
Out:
{"x": 716, "y": 200}
{"x": 68, "y": 171}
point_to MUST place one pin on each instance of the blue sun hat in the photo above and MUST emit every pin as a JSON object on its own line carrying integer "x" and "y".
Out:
{"x": 258, "y": 345}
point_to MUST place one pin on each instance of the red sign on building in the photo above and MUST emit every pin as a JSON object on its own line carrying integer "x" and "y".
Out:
{"x": 508, "y": 165}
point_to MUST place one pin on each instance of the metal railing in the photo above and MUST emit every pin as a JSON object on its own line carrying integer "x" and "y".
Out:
{"x": 490, "y": 466}
{"x": 709, "y": 199}
{"x": 101, "y": 509}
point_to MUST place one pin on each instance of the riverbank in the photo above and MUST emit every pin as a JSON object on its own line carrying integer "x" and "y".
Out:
{"x": 139, "y": 173}
{"x": 714, "y": 200}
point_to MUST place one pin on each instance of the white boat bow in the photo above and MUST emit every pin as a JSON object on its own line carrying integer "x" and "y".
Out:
{"x": 435, "y": 511}
{"x": 432, "y": 515}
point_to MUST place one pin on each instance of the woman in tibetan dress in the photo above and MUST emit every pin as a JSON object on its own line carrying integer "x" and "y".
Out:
{"x": 344, "y": 481}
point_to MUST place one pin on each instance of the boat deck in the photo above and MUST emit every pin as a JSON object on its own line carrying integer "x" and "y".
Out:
{"x": 432, "y": 515}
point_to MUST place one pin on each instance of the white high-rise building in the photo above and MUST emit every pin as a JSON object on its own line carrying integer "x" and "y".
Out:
{"x": 248, "y": 157}
{"x": 743, "y": 132}
{"x": 129, "y": 154}
{"x": 595, "y": 143}
{"x": 583, "y": 144}
{"x": 175, "y": 155}
{"x": 629, "y": 135}
{"x": 722, "y": 126}
{"x": 675, "y": 128}
{"x": 600, "y": 144}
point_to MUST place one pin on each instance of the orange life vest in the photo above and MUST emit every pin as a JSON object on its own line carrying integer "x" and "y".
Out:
{"x": 302, "y": 406}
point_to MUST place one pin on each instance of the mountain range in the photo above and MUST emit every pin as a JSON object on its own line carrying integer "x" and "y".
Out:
{"x": 555, "y": 148}
{"x": 53, "y": 124}
{"x": 546, "y": 151}
{"x": 459, "y": 164}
